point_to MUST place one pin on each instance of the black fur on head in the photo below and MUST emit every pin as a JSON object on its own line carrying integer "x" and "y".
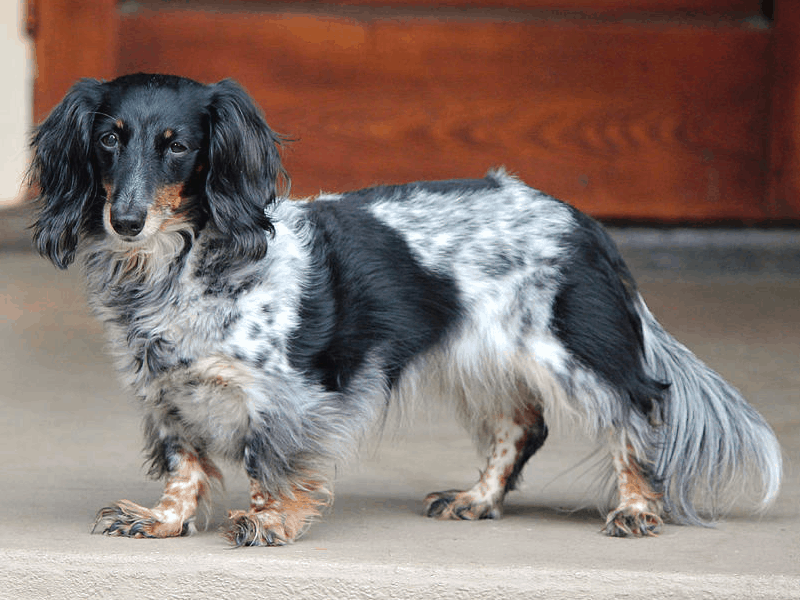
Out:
{"x": 245, "y": 169}
{"x": 235, "y": 178}
{"x": 64, "y": 171}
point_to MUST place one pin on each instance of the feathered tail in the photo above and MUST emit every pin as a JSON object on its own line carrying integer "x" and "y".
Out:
{"x": 715, "y": 447}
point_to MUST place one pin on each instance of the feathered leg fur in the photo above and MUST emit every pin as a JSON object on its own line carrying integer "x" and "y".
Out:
{"x": 514, "y": 441}
{"x": 276, "y": 520}
{"x": 187, "y": 486}
{"x": 638, "y": 510}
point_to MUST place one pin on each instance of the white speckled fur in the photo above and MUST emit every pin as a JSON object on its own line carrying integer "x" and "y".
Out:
{"x": 478, "y": 366}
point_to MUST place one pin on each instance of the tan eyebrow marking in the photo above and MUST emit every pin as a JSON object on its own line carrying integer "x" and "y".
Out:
{"x": 120, "y": 124}
{"x": 168, "y": 134}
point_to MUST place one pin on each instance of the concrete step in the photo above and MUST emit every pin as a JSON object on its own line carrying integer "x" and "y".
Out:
{"x": 70, "y": 442}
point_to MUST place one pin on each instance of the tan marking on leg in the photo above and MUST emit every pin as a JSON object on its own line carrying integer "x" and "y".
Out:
{"x": 174, "y": 514}
{"x": 258, "y": 499}
{"x": 485, "y": 499}
{"x": 639, "y": 507}
{"x": 280, "y": 519}
{"x": 525, "y": 420}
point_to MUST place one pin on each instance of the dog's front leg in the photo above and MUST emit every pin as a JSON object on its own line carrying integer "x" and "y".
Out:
{"x": 188, "y": 484}
{"x": 277, "y": 519}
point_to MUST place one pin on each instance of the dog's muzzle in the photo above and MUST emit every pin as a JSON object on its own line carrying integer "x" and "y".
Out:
{"x": 127, "y": 223}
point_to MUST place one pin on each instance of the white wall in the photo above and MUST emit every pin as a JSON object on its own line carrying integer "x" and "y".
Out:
{"x": 16, "y": 85}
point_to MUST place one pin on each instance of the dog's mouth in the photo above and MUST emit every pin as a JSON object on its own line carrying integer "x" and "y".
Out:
{"x": 128, "y": 238}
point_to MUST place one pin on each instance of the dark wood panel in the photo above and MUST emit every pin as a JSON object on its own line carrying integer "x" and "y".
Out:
{"x": 74, "y": 38}
{"x": 591, "y": 6}
{"x": 784, "y": 185}
{"x": 647, "y": 121}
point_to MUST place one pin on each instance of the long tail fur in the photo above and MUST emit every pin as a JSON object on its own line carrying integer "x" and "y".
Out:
{"x": 716, "y": 447}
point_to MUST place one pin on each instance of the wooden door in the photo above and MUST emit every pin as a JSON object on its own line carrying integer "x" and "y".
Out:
{"x": 656, "y": 110}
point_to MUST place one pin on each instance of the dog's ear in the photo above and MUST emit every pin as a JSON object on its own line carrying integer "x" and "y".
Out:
{"x": 63, "y": 172}
{"x": 244, "y": 169}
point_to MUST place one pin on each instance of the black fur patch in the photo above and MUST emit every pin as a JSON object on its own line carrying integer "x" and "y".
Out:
{"x": 595, "y": 318}
{"x": 244, "y": 171}
{"x": 534, "y": 440}
{"x": 368, "y": 294}
{"x": 214, "y": 268}
{"x": 163, "y": 453}
{"x": 67, "y": 178}
{"x": 449, "y": 186}
{"x": 273, "y": 453}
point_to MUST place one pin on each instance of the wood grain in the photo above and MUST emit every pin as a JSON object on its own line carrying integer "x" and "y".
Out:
{"x": 639, "y": 121}
{"x": 589, "y": 6}
{"x": 73, "y": 39}
{"x": 784, "y": 181}
{"x": 654, "y": 114}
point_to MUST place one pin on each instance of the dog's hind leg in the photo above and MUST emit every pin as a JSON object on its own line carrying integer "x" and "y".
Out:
{"x": 639, "y": 507}
{"x": 514, "y": 441}
{"x": 187, "y": 485}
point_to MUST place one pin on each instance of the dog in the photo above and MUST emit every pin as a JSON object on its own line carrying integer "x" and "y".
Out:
{"x": 278, "y": 333}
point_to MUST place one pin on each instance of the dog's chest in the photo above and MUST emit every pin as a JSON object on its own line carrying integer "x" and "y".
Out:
{"x": 204, "y": 309}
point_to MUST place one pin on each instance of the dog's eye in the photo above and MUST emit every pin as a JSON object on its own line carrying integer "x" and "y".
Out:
{"x": 109, "y": 141}
{"x": 177, "y": 148}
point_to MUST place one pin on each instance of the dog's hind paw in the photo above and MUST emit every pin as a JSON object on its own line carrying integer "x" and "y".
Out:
{"x": 458, "y": 505}
{"x": 127, "y": 519}
{"x": 629, "y": 522}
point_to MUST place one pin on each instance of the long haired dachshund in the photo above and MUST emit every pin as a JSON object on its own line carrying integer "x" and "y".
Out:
{"x": 276, "y": 333}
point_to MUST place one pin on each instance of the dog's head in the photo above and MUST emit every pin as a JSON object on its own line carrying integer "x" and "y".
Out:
{"x": 137, "y": 155}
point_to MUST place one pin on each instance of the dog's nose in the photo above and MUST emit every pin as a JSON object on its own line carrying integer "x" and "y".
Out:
{"x": 128, "y": 225}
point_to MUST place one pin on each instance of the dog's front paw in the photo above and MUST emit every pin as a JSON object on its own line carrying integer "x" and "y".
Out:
{"x": 127, "y": 519}
{"x": 458, "y": 505}
{"x": 632, "y": 522}
{"x": 276, "y": 520}
{"x": 262, "y": 528}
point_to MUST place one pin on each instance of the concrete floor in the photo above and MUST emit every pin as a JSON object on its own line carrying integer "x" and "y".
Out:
{"x": 70, "y": 442}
